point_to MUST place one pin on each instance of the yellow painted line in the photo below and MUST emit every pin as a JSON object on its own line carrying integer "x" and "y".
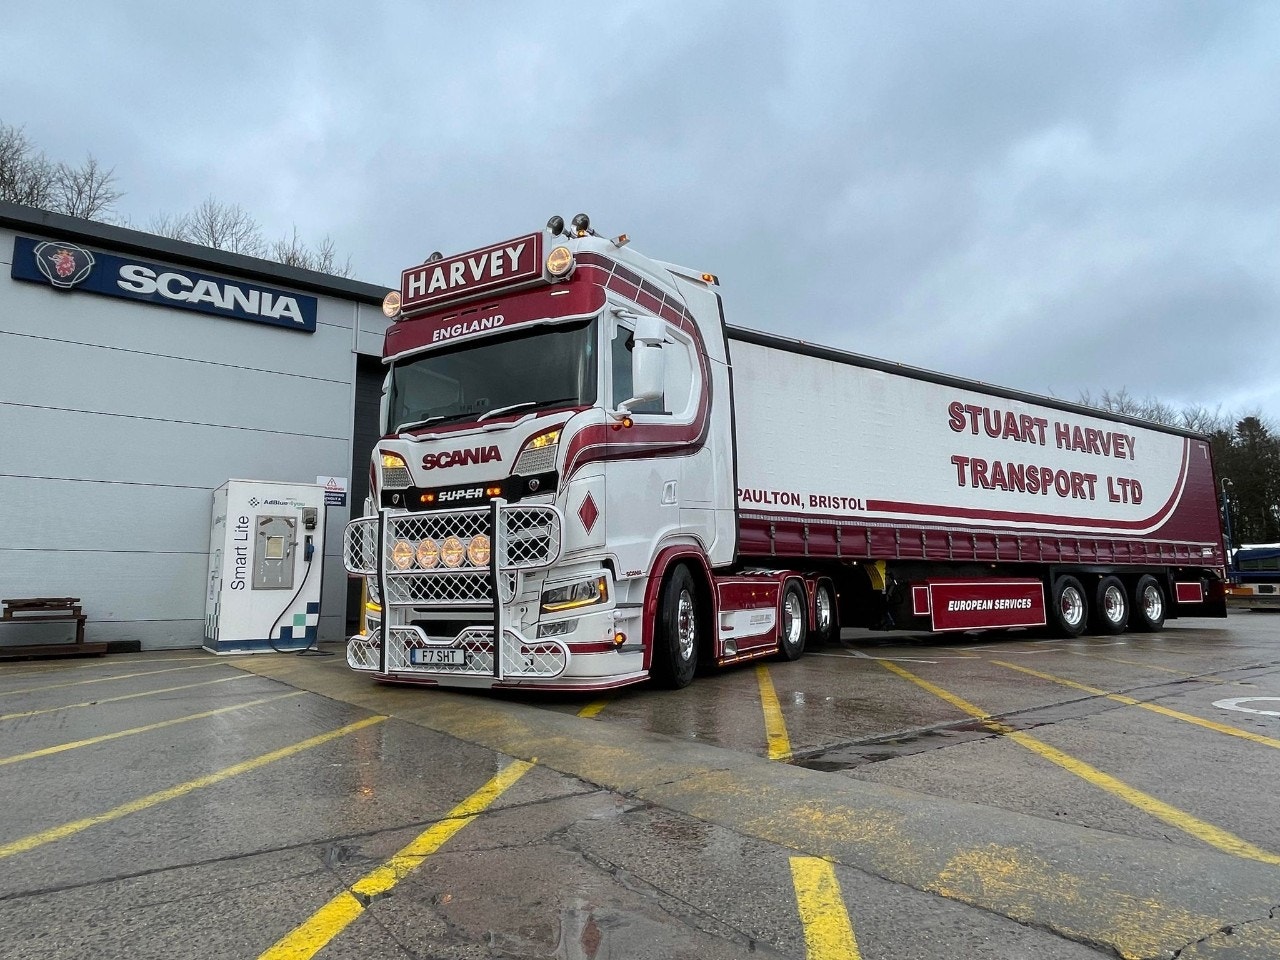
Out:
{"x": 36, "y": 668}
{"x": 310, "y": 937}
{"x": 120, "y": 676}
{"x": 828, "y": 934}
{"x": 127, "y": 696}
{"x": 1181, "y": 820}
{"x": 774, "y": 727}
{"x": 592, "y": 709}
{"x": 1140, "y": 663}
{"x": 62, "y": 747}
{"x": 172, "y": 793}
{"x": 1153, "y": 707}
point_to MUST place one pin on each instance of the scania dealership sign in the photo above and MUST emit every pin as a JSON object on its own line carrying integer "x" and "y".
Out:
{"x": 68, "y": 266}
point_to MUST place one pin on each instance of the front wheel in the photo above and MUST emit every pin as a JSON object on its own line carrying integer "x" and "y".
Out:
{"x": 675, "y": 641}
{"x": 1110, "y": 607}
{"x": 1148, "y": 604}
{"x": 795, "y": 623}
{"x": 1068, "y": 609}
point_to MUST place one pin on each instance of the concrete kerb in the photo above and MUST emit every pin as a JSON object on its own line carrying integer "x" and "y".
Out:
{"x": 1137, "y": 897}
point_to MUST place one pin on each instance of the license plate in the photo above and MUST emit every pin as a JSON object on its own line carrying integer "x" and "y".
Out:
{"x": 437, "y": 657}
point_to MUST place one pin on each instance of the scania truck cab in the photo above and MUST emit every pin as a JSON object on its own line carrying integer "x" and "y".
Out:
{"x": 556, "y": 442}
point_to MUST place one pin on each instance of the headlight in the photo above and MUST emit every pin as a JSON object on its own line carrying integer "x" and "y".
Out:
{"x": 395, "y": 472}
{"x": 539, "y": 454}
{"x": 584, "y": 593}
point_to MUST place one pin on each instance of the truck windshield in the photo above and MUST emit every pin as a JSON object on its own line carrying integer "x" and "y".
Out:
{"x": 545, "y": 366}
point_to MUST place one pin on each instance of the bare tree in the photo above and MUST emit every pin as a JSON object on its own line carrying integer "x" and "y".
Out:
{"x": 26, "y": 176}
{"x": 88, "y": 191}
{"x": 292, "y": 251}
{"x": 223, "y": 226}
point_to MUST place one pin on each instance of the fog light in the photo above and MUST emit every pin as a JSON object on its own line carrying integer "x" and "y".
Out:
{"x": 428, "y": 554}
{"x": 451, "y": 552}
{"x": 478, "y": 550}
{"x": 402, "y": 555}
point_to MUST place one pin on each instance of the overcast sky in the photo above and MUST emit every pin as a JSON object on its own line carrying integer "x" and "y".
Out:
{"x": 1054, "y": 197}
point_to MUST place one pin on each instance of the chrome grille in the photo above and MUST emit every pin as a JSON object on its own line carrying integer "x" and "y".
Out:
{"x": 447, "y": 587}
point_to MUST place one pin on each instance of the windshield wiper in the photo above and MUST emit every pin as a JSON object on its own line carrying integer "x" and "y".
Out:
{"x": 522, "y": 405}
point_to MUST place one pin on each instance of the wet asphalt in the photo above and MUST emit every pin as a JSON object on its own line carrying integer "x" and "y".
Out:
{"x": 965, "y": 797}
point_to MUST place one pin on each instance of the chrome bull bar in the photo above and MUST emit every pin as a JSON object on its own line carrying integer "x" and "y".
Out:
{"x": 451, "y": 559}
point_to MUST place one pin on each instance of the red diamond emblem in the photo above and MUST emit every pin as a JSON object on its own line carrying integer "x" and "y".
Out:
{"x": 588, "y": 513}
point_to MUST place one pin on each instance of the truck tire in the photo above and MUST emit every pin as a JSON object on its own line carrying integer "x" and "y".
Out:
{"x": 1068, "y": 609}
{"x": 676, "y": 639}
{"x": 794, "y": 628}
{"x": 1148, "y": 604}
{"x": 1110, "y": 607}
{"x": 826, "y": 616}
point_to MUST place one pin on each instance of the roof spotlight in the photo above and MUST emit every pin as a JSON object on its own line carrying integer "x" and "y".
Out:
{"x": 582, "y": 225}
{"x": 435, "y": 255}
{"x": 556, "y": 226}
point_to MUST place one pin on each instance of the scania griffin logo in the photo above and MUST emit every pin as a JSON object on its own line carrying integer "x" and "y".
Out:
{"x": 460, "y": 458}
{"x": 63, "y": 264}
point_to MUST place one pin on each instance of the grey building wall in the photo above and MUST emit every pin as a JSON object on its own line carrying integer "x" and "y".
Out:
{"x": 118, "y": 419}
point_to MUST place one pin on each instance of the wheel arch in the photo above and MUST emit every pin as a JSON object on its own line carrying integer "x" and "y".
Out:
{"x": 695, "y": 559}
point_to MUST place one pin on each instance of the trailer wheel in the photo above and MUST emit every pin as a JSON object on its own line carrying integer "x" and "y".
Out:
{"x": 675, "y": 649}
{"x": 1068, "y": 609}
{"x": 1110, "y": 607}
{"x": 826, "y": 618}
{"x": 1148, "y": 604}
{"x": 795, "y": 623}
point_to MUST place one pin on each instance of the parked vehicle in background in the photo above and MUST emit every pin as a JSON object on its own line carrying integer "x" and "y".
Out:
{"x": 587, "y": 479}
{"x": 1254, "y": 577}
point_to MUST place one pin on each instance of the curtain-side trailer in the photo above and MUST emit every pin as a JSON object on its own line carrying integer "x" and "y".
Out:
{"x": 587, "y": 479}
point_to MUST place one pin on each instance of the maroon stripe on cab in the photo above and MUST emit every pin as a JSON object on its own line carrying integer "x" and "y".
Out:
{"x": 601, "y": 443}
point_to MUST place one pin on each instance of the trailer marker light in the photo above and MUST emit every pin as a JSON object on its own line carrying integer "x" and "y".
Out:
{"x": 619, "y": 639}
{"x": 427, "y": 498}
{"x": 711, "y": 278}
{"x": 493, "y": 491}
{"x": 626, "y": 421}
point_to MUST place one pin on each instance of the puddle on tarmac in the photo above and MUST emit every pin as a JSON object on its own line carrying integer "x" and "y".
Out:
{"x": 922, "y": 741}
